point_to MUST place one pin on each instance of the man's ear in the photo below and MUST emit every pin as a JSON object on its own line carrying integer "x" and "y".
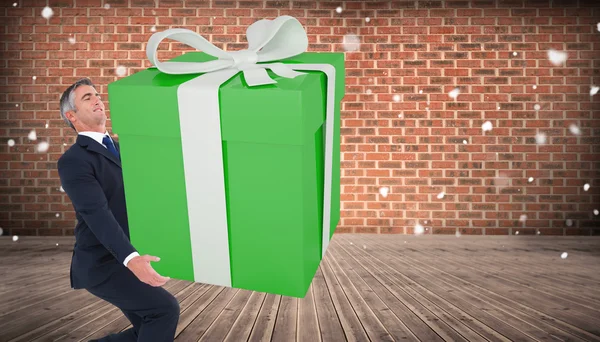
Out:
{"x": 71, "y": 115}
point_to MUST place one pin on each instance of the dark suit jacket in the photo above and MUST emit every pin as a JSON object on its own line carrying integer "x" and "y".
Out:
{"x": 92, "y": 178}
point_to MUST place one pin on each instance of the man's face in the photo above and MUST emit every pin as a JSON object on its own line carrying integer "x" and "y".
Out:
{"x": 90, "y": 108}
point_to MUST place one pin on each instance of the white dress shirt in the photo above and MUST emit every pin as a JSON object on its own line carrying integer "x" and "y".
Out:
{"x": 98, "y": 137}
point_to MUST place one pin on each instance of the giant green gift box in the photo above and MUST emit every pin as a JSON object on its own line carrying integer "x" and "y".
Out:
{"x": 273, "y": 162}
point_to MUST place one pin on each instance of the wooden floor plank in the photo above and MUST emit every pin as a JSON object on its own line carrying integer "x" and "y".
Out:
{"x": 241, "y": 328}
{"x": 329, "y": 322}
{"x": 262, "y": 330}
{"x": 308, "y": 322}
{"x": 387, "y": 312}
{"x": 419, "y": 322}
{"x": 286, "y": 320}
{"x": 372, "y": 325}
{"x": 490, "y": 307}
{"x": 441, "y": 316}
{"x": 400, "y": 287}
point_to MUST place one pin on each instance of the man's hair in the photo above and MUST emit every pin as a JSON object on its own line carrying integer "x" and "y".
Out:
{"x": 67, "y": 100}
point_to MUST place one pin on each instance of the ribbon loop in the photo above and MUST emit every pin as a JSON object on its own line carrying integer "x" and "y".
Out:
{"x": 268, "y": 40}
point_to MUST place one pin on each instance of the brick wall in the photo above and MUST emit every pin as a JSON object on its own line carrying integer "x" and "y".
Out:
{"x": 400, "y": 128}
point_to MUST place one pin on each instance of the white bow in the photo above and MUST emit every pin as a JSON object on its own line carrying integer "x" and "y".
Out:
{"x": 268, "y": 40}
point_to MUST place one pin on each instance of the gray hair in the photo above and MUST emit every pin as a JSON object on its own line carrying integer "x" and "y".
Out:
{"x": 67, "y": 100}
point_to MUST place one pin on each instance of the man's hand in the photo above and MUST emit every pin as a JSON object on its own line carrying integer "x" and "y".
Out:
{"x": 140, "y": 266}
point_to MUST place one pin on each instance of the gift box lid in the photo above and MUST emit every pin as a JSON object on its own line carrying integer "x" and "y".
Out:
{"x": 137, "y": 95}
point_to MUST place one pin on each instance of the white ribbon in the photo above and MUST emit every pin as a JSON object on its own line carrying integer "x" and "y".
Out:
{"x": 199, "y": 112}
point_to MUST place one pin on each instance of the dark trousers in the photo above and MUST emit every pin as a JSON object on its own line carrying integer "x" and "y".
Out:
{"x": 153, "y": 311}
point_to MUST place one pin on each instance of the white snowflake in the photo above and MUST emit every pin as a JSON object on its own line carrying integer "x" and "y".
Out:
{"x": 153, "y": 29}
{"x": 369, "y": 91}
{"x": 42, "y": 146}
{"x": 32, "y": 135}
{"x": 440, "y": 196}
{"x": 517, "y": 233}
{"x": 57, "y": 215}
{"x": 574, "y": 129}
{"x": 72, "y": 40}
{"x": 557, "y": 57}
{"x": 523, "y": 218}
{"x": 11, "y": 143}
{"x": 598, "y": 26}
{"x": 586, "y": 187}
{"x": 121, "y": 70}
{"x": 107, "y": 6}
{"x": 339, "y": 9}
{"x": 367, "y": 19}
{"x": 454, "y": 93}
{"x": 530, "y": 179}
{"x": 514, "y": 53}
{"x": 351, "y": 42}
{"x": 534, "y": 87}
{"x": 596, "y": 212}
{"x": 14, "y": 5}
{"x": 464, "y": 141}
{"x": 34, "y": 77}
{"x": 536, "y": 107}
{"x": 396, "y": 98}
{"x": 419, "y": 229}
{"x": 564, "y": 255}
{"x": 421, "y": 91}
{"x": 569, "y": 222}
{"x": 61, "y": 189}
{"x": 457, "y": 233}
{"x": 15, "y": 238}
{"x": 384, "y": 191}
{"x": 540, "y": 138}
{"x": 487, "y": 126}
{"x": 47, "y": 12}
{"x": 594, "y": 90}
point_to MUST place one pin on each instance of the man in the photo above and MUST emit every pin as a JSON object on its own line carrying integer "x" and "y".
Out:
{"x": 104, "y": 262}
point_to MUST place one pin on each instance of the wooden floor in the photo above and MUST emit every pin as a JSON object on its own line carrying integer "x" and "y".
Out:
{"x": 368, "y": 288}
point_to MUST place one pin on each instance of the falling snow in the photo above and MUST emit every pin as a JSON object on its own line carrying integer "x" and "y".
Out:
{"x": 384, "y": 191}
{"x": 15, "y": 238}
{"x": 11, "y": 142}
{"x": 534, "y": 87}
{"x": 536, "y": 107}
{"x": 540, "y": 138}
{"x": 57, "y": 215}
{"x": 72, "y": 40}
{"x": 153, "y": 29}
{"x": 107, "y": 6}
{"x": 367, "y": 19}
{"x": 15, "y": 5}
{"x": 454, "y": 93}
{"x": 396, "y": 98}
{"x": 523, "y": 218}
{"x": 596, "y": 212}
{"x": 530, "y": 179}
{"x": 457, "y": 234}
{"x": 487, "y": 126}
{"x": 419, "y": 229}
{"x": 351, "y": 42}
{"x": 564, "y": 255}
{"x": 440, "y": 196}
{"x": 514, "y": 53}
{"x": 594, "y": 90}
{"x": 586, "y": 187}
{"x": 34, "y": 77}
{"x": 121, "y": 70}
{"x": 339, "y": 10}
{"x": 569, "y": 222}
{"x": 464, "y": 141}
{"x": 61, "y": 189}
{"x": 32, "y": 135}
{"x": 369, "y": 91}
{"x": 557, "y": 57}
{"x": 1, "y": 231}
{"x": 42, "y": 146}
{"x": 47, "y": 12}
{"x": 574, "y": 129}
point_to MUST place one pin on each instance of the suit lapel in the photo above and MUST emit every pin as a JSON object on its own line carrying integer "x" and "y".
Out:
{"x": 94, "y": 146}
